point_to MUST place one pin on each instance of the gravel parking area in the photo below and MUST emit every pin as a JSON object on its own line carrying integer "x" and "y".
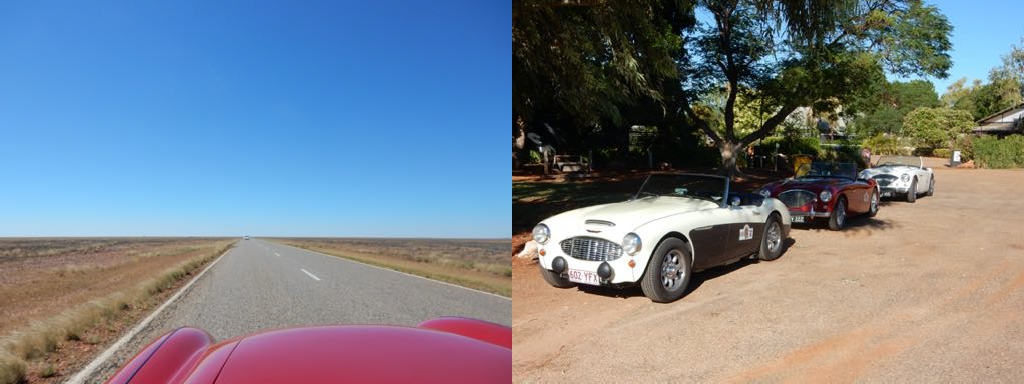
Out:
{"x": 930, "y": 291}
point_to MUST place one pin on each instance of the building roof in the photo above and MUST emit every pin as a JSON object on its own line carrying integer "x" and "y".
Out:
{"x": 1005, "y": 121}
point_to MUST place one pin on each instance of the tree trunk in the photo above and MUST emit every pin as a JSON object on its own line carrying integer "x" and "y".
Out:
{"x": 518, "y": 140}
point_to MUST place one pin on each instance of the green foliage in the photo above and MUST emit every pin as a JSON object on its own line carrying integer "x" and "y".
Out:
{"x": 882, "y": 144}
{"x": 995, "y": 96}
{"x": 935, "y": 127}
{"x": 917, "y": 41}
{"x": 1004, "y": 89}
{"x": 885, "y": 106}
{"x": 789, "y": 146}
{"x": 840, "y": 47}
{"x": 535, "y": 157}
{"x": 991, "y": 152}
{"x": 844, "y": 154}
{"x": 944, "y": 153}
{"x": 966, "y": 147}
{"x": 600, "y": 67}
{"x": 1012, "y": 67}
{"x": 589, "y": 61}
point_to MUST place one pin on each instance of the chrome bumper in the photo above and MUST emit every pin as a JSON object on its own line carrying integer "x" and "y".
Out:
{"x": 889, "y": 191}
{"x": 809, "y": 214}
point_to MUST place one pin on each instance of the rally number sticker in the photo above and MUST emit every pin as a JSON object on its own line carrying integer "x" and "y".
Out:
{"x": 746, "y": 233}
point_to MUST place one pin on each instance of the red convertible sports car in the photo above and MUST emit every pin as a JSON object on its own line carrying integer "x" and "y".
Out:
{"x": 444, "y": 350}
{"x": 828, "y": 191}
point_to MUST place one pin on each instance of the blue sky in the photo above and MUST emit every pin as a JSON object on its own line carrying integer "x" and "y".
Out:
{"x": 367, "y": 118}
{"x": 983, "y": 31}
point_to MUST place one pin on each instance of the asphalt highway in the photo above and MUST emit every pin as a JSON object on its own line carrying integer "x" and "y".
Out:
{"x": 261, "y": 285}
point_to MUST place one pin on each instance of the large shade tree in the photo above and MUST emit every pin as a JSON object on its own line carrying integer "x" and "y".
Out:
{"x": 594, "y": 63}
{"x": 881, "y": 109}
{"x": 798, "y": 53}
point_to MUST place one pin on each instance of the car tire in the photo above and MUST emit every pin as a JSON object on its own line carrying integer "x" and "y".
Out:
{"x": 931, "y": 186}
{"x": 671, "y": 257}
{"x": 771, "y": 240}
{"x": 912, "y": 192}
{"x": 837, "y": 220}
{"x": 555, "y": 279}
{"x": 873, "y": 203}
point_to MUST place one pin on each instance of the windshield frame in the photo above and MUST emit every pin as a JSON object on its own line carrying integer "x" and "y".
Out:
{"x": 725, "y": 195}
{"x": 920, "y": 162}
{"x": 809, "y": 173}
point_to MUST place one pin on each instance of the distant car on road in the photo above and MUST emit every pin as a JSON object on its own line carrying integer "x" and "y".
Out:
{"x": 246, "y": 237}
{"x": 829, "y": 191}
{"x": 676, "y": 224}
{"x": 448, "y": 349}
{"x": 902, "y": 176}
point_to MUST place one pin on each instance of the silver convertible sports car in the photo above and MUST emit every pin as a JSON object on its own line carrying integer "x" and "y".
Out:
{"x": 675, "y": 225}
{"x": 904, "y": 176}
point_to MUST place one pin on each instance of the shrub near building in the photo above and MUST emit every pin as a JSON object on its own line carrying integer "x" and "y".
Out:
{"x": 991, "y": 152}
{"x": 937, "y": 127}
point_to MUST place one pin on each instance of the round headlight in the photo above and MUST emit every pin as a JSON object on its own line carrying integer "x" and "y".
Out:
{"x": 825, "y": 196}
{"x": 541, "y": 233}
{"x": 631, "y": 244}
{"x": 905, "y": 177}
{"x": 766, "y": 193}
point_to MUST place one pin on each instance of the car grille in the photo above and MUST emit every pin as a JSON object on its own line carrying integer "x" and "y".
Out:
{"x": 796, "y": 199}
{"x": 591, "y": 249}
{"x": 884, "y": 180}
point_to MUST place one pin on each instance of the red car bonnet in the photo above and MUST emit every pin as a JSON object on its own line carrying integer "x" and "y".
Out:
{"x": 442, "y": 350}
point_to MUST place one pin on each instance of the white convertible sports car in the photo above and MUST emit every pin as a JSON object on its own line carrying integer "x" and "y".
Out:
{"x": 675, "y": 225}
{"x": 901, "y": 176}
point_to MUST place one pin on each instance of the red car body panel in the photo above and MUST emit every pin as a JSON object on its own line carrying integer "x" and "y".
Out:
{"x": 442, "y": 350}
{"x": 480, "y": 330}
{"x": 856, "y": 192}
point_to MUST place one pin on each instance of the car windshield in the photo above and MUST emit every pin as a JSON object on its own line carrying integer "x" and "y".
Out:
{"x": 846, "y": 170}
{"x": 899, "y": 160}
{"x": 705, "y": 187}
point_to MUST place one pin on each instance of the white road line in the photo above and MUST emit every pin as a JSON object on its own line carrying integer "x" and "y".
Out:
{"x": 95, "y": 363}
{"x": 392, "y": 270}
{"x": 310, "y": 274}
{"x": 277, "y": 254}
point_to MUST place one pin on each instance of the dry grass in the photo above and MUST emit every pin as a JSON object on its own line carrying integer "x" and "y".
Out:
{"x": 477, "y": 264}
{"x": 114, "y": 281}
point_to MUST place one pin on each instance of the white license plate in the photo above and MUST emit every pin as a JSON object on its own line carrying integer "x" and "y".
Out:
{"x": 583, "y": 277}
{"x": 886, "y": 194}
{"x": 797, "y": 219}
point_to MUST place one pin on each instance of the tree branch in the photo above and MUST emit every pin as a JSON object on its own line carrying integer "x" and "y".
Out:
{"x": 703, "y": 125}
{"x": 768, "y": 126}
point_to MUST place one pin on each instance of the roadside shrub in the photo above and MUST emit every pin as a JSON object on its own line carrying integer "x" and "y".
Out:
{"x": 48, "y": 370}
{"x": 966, "y": 146}
{"x": 12, "y": 369}
{"x": 991, "y": 152}
{"x": 882, "y": 144}
{"x": 944, "y": 153}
